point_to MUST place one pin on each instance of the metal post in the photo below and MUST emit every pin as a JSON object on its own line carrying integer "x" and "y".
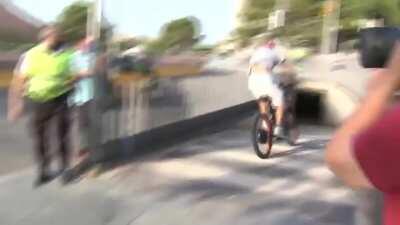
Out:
{"x": 330, "y": 30}
{"x": 95, "y": 16}
{"x": 93, "y": 30}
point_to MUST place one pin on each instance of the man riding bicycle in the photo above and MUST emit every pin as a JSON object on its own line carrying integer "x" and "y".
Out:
{"x": 265, "y": 85}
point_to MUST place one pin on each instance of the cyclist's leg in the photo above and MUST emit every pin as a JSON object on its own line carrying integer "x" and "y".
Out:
{"x": 264, "y": 109}
{"x": 279, "y": 114}
{"x": 279, "y": 103}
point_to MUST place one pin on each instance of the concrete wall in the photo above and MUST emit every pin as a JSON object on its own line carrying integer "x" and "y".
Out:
{"x": 154, "y": 103}
{"x": 159, "y": 102}
{"x": 337, "y": 101}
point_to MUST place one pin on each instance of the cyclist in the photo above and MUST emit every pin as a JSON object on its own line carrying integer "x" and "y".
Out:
{"x": 263, "y": 83}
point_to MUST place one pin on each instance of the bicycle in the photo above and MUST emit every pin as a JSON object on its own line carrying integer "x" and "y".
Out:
{"x": 263, "y": 139}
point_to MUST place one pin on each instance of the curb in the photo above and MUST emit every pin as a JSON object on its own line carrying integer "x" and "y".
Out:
{"x": 157, "y": 139}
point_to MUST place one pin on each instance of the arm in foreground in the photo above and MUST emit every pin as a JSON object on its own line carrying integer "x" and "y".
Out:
{"x": 339, "y": 152}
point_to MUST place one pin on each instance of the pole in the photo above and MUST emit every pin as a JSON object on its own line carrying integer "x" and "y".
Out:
{"x": 94, "y": 22}
{"x": 330, "y": 29}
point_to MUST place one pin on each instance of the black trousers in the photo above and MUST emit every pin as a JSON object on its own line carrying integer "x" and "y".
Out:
{"x": 43, "y": 113}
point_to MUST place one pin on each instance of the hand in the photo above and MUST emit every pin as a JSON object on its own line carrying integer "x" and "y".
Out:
{"x": 378, "y": 76}
{"x": 393, "y": 66}
{"x": 387, "y": 77}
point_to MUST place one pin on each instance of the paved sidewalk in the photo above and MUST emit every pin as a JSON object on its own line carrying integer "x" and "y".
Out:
{"x": 214, "y": 180}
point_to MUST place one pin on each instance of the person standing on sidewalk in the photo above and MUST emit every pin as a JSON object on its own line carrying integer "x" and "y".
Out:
{"x": 46, "y": 75}
{"x": 83, "y": 64}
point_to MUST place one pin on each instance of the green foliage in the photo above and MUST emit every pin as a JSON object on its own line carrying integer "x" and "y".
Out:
{"x": 178, "y": 34}
{"x": 354, "y": 10}
{"x": 181, "y": 33}
{"x": 203, "y": 48}
{"x": 155, "y": 47}
{"x": 362, "y": 9}
{"x": 303, "y": 21}
{"x": 256, "y": 10}
{"x": 254, "y": 19}
{"x": 73, "y": 22}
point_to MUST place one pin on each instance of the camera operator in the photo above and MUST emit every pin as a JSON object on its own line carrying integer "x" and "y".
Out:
{"x": 364, "y": 151}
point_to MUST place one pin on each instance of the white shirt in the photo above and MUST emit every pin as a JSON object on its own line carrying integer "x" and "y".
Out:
{"x": 267, "y": 57}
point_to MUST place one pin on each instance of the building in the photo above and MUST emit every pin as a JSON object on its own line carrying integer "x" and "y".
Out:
{"x": 20, "y": 26}
{"x": 17, "y": 28}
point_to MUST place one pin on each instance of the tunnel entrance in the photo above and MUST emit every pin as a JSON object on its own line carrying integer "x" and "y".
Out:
{"x": 309, "y": 107}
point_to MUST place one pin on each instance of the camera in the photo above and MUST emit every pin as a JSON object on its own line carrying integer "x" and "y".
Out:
{"x": 376, "y": 45}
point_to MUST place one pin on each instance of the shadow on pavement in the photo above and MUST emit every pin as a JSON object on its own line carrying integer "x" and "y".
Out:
{"x": 313, "y": 145}
{"x": 202, "y": 190}
{"x": 312, "y": 211}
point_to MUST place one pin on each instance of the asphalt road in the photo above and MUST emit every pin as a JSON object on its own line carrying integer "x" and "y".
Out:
{"x": 217, "y": 179}
{"x": 213, "y": 179}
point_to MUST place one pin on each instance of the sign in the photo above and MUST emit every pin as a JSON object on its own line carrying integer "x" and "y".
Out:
{"x": 276, "y": 19}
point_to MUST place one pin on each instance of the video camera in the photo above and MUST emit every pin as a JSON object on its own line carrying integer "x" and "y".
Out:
{"x": 376, "y": 45}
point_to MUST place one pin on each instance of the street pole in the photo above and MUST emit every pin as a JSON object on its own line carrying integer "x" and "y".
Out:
{"x": 330, "y": 29}
{"x": 94, "y": 22}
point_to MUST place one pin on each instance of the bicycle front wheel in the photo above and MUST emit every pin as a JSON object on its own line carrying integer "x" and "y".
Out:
{"x": 262, "y": 138}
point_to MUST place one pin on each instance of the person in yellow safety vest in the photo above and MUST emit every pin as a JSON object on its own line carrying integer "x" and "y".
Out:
{"x": 45, "y": 78}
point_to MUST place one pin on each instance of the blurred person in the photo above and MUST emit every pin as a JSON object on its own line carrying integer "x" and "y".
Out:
{"x": 45, "y": 76}
{"x": 83, "y": 63}
{"x": 263, "y": 83}
{"x": 364, "y": 151}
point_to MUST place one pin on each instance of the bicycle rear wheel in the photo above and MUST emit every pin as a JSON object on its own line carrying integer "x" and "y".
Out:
{"x": 262, "y": 139}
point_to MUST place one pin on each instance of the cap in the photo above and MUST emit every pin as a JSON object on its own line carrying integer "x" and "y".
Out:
{"x": 377, "y": 152}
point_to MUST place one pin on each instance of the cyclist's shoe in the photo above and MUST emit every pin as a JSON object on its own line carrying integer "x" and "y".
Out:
{"x": 278, "y": 132}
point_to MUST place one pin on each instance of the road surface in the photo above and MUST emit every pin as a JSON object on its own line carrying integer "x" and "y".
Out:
{"x": 213, "y": 179}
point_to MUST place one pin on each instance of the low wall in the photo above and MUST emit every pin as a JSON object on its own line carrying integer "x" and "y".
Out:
{"x": 148, "y": 104}
{"x": 337, "y": 101}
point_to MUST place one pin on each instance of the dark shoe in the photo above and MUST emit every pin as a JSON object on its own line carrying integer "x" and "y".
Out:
{"x": 67, "y": 176}
{"x": 42, "y": 179}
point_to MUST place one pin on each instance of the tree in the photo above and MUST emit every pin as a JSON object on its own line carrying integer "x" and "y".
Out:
{"x": 303, "y": 20}
{"x": 353, "y": 10}
{"x": 178, "y": 34}
{"x": 73, "y": 22}
{"x": 254, "y": 19}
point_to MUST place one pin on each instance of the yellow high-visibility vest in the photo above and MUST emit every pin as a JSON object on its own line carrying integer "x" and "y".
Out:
{"x": 48, "y": 73}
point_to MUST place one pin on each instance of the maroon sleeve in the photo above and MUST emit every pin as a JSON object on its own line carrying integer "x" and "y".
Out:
{"x": 377, "y": 150}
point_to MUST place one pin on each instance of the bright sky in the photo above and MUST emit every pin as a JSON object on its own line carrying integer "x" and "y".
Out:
{"x": 145, "y": 17}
